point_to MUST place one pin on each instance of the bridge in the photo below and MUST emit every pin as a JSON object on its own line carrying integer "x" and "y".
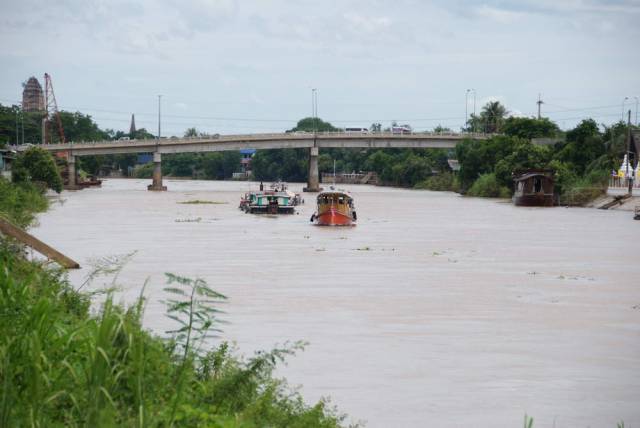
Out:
{"x": 290, "y": 140}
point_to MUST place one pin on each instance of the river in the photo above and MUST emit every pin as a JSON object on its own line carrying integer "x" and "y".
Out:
{"x": 435, "y": 310}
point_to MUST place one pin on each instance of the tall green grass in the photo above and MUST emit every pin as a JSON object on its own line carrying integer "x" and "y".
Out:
{"x": 61, "y": 365}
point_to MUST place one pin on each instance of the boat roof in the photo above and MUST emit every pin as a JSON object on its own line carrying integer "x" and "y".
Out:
{"x": 532, "y": 174}
{"x": 335, "y": 192}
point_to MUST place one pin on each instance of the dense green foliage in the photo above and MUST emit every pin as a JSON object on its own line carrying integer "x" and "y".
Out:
{"x": 20, "y": 201}
{"x": 37, "y": 165}
{"x": 445, "y": 181}
{"x": 488, "y": 186}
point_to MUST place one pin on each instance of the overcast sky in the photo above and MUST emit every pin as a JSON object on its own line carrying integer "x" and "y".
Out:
{"x": 230, "y": 67}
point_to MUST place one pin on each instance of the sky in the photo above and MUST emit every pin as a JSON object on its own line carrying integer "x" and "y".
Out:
{"x": 230, "y": 67}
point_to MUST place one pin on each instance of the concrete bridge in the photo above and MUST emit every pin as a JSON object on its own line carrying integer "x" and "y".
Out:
{"x": 291, "y": 140}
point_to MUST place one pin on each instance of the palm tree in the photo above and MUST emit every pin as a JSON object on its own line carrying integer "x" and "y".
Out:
{"x": 492, "y": 116}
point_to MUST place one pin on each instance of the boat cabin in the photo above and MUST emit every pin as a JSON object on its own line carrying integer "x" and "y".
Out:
{"x": 337, "y": 199}
{"x": 267, "y": 202}
{"x": 534, "y": 188}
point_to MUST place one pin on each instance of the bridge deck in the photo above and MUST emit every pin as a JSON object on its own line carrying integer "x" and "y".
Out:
{"x": 265, "y": 141}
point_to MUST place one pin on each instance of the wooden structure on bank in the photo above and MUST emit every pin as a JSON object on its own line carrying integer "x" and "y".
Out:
{"x": 534, "y": 188}
{"x": 369, "y": 177}
{"x": 20, "y": 235}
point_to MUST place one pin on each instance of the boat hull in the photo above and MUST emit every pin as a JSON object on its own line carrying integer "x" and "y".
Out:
{"x": 333, "y": 217}
{"x": 535, "y": 200}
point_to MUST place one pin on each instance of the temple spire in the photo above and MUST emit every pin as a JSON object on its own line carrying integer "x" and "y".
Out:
{"x": 132, "y": 129}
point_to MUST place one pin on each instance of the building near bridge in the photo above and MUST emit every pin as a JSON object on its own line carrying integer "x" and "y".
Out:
{"x": 32, "y": 96}
{"x": 245, "y": 165}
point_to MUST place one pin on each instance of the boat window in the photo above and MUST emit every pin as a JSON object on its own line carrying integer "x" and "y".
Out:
{"x": 341, "y": 201}
{"x": 537, "y": 185}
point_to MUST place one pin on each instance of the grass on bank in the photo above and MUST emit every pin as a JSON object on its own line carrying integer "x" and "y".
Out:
{"x": 61, "y": 365}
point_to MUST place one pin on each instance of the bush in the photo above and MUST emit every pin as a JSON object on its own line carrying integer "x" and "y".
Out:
{"x": 487, "y": 186}
{"x": 440, "y": 182}
{"x": 37, "y": 165}
{"x": 583, "y": 190}
{"x": 143, "y": 171}
{"x": 20, "y": 201}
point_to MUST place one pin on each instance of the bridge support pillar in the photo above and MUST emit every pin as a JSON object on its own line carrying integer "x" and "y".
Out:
{"x": 156, "y": 184}
{"x": 72, "y": 181}
{"x": 313, "y": 179}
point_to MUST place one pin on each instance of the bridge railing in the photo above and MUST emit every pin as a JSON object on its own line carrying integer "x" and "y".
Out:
{"x": 284, "y": 135}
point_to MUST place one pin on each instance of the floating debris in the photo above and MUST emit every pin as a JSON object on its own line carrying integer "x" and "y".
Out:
{"x": 188, "y": 220}
{"x": 201, "y": 202}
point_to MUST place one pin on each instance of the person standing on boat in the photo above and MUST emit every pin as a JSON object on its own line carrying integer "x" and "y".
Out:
{"x": 261, "y": 186}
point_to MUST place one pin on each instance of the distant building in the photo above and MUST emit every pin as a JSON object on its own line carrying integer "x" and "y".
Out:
{"x": 245, "y": 162}
{"x": 245, "y": 165}
{"x": 32, "y": 96}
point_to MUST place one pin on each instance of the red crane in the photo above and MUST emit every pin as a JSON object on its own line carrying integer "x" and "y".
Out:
{"x": 51, "y": 109}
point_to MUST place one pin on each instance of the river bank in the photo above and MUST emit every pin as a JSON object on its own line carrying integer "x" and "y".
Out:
{"x": 435, "y": 307}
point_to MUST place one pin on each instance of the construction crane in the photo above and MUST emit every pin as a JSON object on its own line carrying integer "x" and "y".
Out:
{"x": 51, "y": 110}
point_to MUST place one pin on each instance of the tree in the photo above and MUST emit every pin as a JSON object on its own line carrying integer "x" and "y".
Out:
{"x": 491, "y": 118}
{"x": 528, "y": 128}
{"x": 584, "y": 145}
{"x": 440, "y": 129}
{"x": 311, "y": 124}
{"x": 37, "y": 165}
{"x": 191, "y": 132}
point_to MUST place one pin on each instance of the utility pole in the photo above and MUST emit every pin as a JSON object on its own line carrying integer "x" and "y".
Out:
{"x": 159, "y": 98}
{"x": 314, "y": 108}
{"x": 466, "y": 105}
{"x": 17, "y": 134}
{"x": 474, "y": 110}
{"x": 629, "y": 176}
{"x": 539, "y": 102}
{"x": 623, "y": 101}
{"x": 22, "y": 120}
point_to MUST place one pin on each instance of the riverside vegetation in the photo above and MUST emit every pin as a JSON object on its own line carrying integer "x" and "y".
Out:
{"x": 64, "y": 364}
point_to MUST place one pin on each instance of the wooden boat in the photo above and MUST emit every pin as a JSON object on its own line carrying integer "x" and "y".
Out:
{"x": 534, "y": 188}
{"x": 267, "y": 202}
{"x": 335, "y": 208}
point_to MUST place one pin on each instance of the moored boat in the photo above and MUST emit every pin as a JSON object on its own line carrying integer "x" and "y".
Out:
{"x": 534, "y": 188}
{"x": 267, "y": 202}
{"x": 335, "y": 208}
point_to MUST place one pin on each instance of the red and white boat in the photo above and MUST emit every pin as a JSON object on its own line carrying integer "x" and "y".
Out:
{"x": 335, "y": 208}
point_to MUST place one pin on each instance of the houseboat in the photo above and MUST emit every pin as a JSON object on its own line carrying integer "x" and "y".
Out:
{"x": 335, "y": 208}
{"x": 534, "y": 188}
{"x": 267, "y": 202}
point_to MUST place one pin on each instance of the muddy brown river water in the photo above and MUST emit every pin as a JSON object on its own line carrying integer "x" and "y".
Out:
{"x": 435, "y": 310}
